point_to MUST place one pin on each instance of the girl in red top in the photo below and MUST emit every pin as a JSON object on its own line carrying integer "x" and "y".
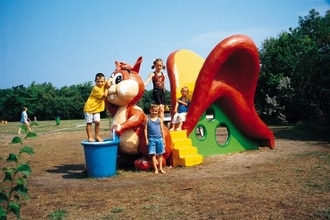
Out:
{"x": 158, "y": 80}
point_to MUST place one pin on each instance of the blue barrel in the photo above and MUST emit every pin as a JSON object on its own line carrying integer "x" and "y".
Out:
{"x": 101, "y": 157}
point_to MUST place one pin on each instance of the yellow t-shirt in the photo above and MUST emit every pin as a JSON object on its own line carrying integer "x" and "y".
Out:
{"x": 95, "y": 102}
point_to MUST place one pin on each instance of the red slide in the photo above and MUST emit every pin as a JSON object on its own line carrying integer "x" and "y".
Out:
{"x": 228, "y": 78}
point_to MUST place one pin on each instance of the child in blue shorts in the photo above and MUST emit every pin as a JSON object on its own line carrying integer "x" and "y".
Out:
{"x": 154, "y": 134}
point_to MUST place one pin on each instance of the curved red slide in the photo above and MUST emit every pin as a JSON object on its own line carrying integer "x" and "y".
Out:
{"x": 228, "y": 78}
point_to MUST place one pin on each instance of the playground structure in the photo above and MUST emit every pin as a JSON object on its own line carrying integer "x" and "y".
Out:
{"x": 222, "y": 89}
{"x": 223, "y": 85}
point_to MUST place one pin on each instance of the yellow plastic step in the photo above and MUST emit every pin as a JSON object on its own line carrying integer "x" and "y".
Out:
{"x": 185, "y": 151}
{"x": 192, "y": 160}
{"x": 188, "y": 161}
{"x": 178, "y": 134}
{"x": 178, "y": 143}
{"x": 184, "y": 154}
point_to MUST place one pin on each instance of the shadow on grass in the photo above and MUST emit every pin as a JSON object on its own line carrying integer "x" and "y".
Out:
{"x": 301, "y": 133}
{"x": 70, "y": 171}
{"x": 78, "y": 171}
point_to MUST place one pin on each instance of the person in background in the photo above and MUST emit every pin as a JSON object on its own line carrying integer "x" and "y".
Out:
{"x": 158, "y": 80}
{"x": 180, "y": 110}
{"x": 25, "y": 121}
{"x": 94, "y": 105}
{"x": 155, "y": 139}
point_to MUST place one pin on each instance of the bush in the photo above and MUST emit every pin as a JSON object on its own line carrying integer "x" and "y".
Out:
{"x": 13, "y": 187}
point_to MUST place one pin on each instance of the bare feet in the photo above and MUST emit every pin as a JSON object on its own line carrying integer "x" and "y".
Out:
{"x": 91, "y": 140}
{"x": 156, "y": 172}
{"x": 99, "y": 139}
{"x": 162, "y": 171}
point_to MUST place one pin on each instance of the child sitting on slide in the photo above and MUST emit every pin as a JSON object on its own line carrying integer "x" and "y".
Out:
{"x": 180, "y": 110}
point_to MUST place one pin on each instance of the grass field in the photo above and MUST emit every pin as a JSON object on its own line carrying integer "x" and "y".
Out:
{"x": 290, "y": 182}
{"x": 11, "y": 128}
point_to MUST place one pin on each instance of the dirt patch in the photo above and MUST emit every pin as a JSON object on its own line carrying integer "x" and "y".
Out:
{"x": 290, "y": 182}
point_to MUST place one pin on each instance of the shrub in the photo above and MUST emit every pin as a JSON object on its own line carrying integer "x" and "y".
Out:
{"x": 15, "y": 173}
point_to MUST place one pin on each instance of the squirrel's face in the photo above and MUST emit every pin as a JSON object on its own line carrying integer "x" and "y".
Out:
{"x": 126, "y": 87}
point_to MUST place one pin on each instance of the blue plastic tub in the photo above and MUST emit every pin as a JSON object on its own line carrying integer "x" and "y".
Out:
{"x": 101, "y": 157}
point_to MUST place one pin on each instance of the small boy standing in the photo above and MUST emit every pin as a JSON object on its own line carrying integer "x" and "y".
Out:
{"x": 180, "y": 110}
{"x": 94, "y": 105}
{"x": 154, "y": 134}
{"x": 25, "y": 121}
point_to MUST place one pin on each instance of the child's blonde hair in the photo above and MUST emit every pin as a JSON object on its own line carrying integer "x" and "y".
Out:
{"x": 154, "y": 106}
{"x": 185, "y": 88}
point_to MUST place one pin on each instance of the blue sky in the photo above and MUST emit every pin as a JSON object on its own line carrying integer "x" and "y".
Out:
{"x": 66, "y": 42}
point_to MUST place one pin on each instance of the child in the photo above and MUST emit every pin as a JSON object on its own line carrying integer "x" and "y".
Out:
{"x": 180, "y": 110}
{"x": 158, "y": 80}
{"x": 95, "y": 105}
{"x": 25, "y": 120}
{"x": 154, "y": 134}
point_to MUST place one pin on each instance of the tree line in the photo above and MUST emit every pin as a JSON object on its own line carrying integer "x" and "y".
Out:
{"x": 293, "y": 85}
{"x": 46, "y": 102}
{"x": 294, "y": 81}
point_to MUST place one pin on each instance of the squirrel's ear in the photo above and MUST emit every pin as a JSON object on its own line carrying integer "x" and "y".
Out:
{"x": 137, "y": 64}
{"x": 117, "y": 64}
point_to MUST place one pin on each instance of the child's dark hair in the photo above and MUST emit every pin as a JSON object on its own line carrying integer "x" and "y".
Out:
{"x": 156, "y": 61}
{"x": 98, "y": 75}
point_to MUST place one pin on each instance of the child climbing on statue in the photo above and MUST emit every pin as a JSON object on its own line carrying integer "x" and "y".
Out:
{"x": 94, "y": 105}
{"x": 180, "y": 110}
{"x": 154, "y": 134}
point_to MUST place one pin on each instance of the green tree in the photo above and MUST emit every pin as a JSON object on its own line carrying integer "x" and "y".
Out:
{"x": 13, "y": 103}
{"x": 147, "y": 99}
{"x": 315, "y": 64}
{"x": 44, "y": 101}
{"x": 294, "y": 77}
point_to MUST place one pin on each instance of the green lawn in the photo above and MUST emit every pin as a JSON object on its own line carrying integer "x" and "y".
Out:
{"x": 50, "y": 126}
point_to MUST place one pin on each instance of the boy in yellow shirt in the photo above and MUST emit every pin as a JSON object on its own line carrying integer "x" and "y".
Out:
{"x": 95, "y": 105}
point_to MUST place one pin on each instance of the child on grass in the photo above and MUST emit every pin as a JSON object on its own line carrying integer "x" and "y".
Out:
{"x": 25, "y": 121}
{"x": 154, "y": 134}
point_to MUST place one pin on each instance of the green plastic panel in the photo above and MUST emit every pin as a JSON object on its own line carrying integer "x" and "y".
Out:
{"x": 206, "y": 135}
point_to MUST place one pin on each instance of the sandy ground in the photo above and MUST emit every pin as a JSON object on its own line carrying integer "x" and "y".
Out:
{"x": 291, "y": 181}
